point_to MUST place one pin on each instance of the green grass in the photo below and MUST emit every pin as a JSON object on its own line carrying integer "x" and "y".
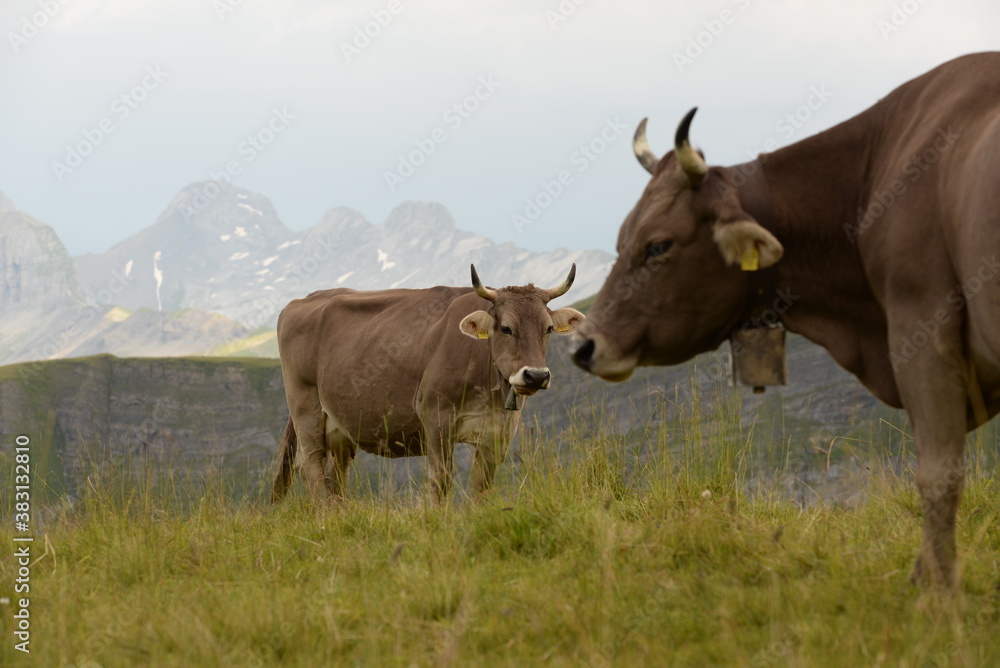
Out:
{"x": 600, "y": 556}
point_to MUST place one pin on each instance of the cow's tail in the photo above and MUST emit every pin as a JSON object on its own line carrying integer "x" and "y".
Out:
{"x": 286, "y": 456}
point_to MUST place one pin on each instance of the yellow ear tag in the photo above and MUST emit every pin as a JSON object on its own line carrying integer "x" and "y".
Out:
{"x": 751, "y": 259}
{"x": 564, "y": 328}
{"x": 481, "y": 334}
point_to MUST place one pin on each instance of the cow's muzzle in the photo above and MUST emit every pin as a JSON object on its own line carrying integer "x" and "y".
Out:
{"x": 529, "y": 380}
{"x": 595, "y": 355}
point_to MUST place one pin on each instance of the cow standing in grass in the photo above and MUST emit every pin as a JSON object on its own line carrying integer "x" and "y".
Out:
{"x": 403, "y": 373}
{"x": 886, "y": 228}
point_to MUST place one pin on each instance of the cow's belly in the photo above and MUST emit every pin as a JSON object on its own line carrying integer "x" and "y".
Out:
{"x": 411, "y": 445}
{"x": 387, "y": 432}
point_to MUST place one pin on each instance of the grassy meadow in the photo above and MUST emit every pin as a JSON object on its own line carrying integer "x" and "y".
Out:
{"x": 676, "y": 544}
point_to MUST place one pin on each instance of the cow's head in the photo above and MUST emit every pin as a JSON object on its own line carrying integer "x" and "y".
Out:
{"x": 680, "y": 283}
{"x": 517, "y": 326}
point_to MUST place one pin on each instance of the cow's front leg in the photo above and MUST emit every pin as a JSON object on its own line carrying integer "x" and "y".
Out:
{"x": 933, "y": 382}
{"x": 439, "y": 446}
{"x": 490, "y": 453}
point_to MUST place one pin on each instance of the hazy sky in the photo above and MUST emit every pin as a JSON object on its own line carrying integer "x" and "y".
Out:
{"x": 164, "y": 93}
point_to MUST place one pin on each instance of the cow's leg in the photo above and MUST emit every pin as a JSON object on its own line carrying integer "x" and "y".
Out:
{"x": 932, "y": 381}
{"x": 490, "y": 453}
{"x": 310, "y": 455}
{"x": 338, "y": 465}
{"x": 439, "y": 445}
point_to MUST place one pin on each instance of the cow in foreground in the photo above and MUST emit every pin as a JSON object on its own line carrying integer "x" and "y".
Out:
{"x": 886, "y": 228}
{"x": 403, "y": 373}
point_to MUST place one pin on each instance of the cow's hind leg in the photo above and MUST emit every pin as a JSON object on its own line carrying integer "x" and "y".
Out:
{"x": 310, "y": 456}
{"x": 341, "y": 452}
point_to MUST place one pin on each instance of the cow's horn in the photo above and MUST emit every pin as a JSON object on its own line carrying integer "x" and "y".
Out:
{"x": 483, "y": 292}
{"x": 690, "y": 160}
{"x": 563, "y": 287}
{"x": 645, "y": 154}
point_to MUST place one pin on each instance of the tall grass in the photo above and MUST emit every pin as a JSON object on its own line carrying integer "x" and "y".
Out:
{"x": 673, "y": 541}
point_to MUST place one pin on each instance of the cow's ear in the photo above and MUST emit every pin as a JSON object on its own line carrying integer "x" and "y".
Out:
{"x": 747, "y": 244}
{"x": 565, "y": 320}
{"x": 478, "y": 325}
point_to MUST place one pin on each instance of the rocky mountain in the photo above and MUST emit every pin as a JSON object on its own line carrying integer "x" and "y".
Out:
{"x": 35, "y": 269}
{"x": 231, "y": 254}
{"x": 48, "y": 313}
{"x": 212, "y": 273}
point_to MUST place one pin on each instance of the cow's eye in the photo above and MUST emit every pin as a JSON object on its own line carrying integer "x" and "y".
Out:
{"x": 506, "y": 330}
{"x": 550, "y": 329}
{"x": 657, "y": 248}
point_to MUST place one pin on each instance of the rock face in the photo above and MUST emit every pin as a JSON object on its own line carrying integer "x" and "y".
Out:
{"x": 186, "y": 412}
{"x": 230, "y": 254}
{"x": 35, "y": 269}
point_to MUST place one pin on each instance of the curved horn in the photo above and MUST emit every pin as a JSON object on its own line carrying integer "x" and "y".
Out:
{"x": 691, "y": 162}
{"x": 563, "y": 287}
{"x": 645, "y": 154}
{"x": 477, "y": 285}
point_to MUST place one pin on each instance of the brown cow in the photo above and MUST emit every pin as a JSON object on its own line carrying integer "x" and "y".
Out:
{"x": 403, "y": 373}
{"x": 886, "y": 229}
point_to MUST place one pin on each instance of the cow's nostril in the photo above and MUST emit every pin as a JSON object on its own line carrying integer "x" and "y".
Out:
{"x": 583, "y": 355}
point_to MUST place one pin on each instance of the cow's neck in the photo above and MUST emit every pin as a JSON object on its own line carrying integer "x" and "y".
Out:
{"x": 805, "y": 195}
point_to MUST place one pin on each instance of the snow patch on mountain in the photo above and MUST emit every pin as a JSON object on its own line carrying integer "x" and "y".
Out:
{"x": 405, "y": 278}
{"x": 383, "y": 258}
{"x": 158, "y": 277}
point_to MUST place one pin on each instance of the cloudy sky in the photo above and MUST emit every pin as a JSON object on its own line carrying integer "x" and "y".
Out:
{"x": 474, "y": 105}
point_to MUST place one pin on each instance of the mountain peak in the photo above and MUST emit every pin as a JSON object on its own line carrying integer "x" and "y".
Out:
{"x": 222, "y": 209}
{"x": 419, "y": 217}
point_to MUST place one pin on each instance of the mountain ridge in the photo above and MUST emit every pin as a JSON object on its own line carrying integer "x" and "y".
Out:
{"x": 231, "y": 256}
